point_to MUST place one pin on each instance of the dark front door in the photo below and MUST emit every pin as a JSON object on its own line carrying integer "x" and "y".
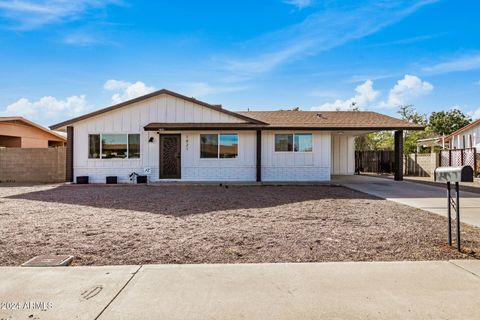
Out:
{"x": 170, "y": 152}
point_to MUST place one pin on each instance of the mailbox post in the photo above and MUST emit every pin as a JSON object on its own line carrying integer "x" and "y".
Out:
{"x": 454, "y": 175}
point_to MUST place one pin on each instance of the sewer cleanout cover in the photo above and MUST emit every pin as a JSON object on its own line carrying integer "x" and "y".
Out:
{"x": 49, "y": 260}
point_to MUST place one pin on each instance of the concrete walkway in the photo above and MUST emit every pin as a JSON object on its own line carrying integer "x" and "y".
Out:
{"x": 362, "y": 290}
{"x": 427, "y": 197}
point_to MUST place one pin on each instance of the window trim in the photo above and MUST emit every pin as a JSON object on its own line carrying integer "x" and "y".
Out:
{"x": 218, "y": 146}
{"x": 293, "y": 145}
{"x": 114, "y": 159}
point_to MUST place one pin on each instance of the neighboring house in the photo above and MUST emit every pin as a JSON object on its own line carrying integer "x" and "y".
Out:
{"x": 18, "y": 132}
{"x": 432, "y": 143}
{"x": 168, "y": 136}
{"x": 465, "y": 137}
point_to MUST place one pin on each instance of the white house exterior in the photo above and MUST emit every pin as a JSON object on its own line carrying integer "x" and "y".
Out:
{"x": 466, "y": 137}
{"x": 170, "y": 137}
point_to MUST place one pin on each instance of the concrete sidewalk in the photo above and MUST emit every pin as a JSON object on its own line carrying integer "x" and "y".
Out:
{"x": 427, "y": 197}
{"x": 356, "y": 290}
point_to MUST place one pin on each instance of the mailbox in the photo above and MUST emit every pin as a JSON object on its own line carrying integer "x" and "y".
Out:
{"x": 454, "y": 174}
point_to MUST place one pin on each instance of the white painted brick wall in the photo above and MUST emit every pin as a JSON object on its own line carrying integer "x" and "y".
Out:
{"x": 296, "y": 173}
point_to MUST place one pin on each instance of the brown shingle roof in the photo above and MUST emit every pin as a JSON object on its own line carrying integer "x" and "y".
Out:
{"x": 339, "y": 120}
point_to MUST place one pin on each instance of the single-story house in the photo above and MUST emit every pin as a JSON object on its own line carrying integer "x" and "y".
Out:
{"x": 18, "y": 132}
{"x": 465, "y": 137}
{"x": 170, "y": 137}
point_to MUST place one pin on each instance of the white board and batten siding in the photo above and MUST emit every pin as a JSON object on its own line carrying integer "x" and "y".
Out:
{"x": 132, "y": 119}
{"x": 296, "y": 166}
{"x": 343, "y": 154}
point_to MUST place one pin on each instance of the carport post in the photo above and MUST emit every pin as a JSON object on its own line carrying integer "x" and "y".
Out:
{"x": 449, "y": 213}
{"x": 69, "y": 157}
{"x": 398, "y": 151}
{"x": 259, "y": 155}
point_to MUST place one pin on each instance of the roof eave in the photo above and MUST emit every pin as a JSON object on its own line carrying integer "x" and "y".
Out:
{"x": 239, "y": 126}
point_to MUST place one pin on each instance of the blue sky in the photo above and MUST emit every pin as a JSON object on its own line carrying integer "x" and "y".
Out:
{"x": 59, "y": 58}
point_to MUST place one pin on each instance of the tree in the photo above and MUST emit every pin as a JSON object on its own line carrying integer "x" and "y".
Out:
{"x": 446, "y": 122}
{"x": 382, "y": 140}
{"x": 408, "y": 113}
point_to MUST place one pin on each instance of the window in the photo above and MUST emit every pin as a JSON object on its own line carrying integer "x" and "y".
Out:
{"x": 223, "y": 146}
{"x": 299, "y": 142}
{"x": 114, "y": 146}
{"x": 94, "y": 146}
{"x": 228, "y": 146}
{"x": 303, "y": 142}
{"x": 134, "y": 146}
{"x": 284, "y": 142}
{"x": 208, "y": 146}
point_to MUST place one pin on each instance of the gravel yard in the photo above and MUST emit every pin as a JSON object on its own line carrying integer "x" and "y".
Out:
{"x": 134, "y": 224}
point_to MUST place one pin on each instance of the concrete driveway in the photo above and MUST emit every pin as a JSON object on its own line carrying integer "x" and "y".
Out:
{"x": 352, "y": 290}
{"x": 427, "y": 197}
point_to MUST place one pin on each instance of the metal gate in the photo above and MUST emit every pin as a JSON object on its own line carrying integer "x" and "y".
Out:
{"x": 375, "y": 161}
{"x": 458, "y": 157}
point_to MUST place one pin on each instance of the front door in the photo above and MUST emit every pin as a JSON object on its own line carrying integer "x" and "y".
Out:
{"x": 170, "y": 153}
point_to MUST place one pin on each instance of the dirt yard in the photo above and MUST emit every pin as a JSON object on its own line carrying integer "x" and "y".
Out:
{"x": 212, "y": 224}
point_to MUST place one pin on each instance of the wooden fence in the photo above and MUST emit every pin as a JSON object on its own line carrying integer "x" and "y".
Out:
{"x": 383, "y": 162}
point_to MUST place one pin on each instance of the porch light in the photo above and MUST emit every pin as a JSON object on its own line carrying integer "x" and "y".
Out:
{"x": 150, "y": 139}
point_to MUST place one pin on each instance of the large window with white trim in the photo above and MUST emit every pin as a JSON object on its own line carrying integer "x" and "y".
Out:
{"x": 114, "y": 146}
{"x": 218, "y": 146}
{"x": 290, "y": 142}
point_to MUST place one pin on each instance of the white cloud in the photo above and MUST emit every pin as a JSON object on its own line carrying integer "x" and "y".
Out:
{"x": 199, "y": 89}
{"x": 406, "y": 89}
{"x": 32, "y": 14}
{"x": 326, "y": 29}
{"x": 464, "y": 63}
{"x": 126, "y": 90}
{"x": 403, "y": 92}
{"x": 300, "y": 4}
{"x": 48, "y": 109}
{"x": 365, "y": 95}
